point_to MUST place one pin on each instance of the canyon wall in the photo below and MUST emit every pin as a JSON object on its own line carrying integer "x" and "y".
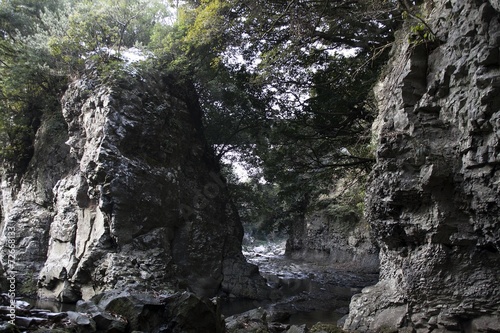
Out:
{"x": 333, "y": 229}
{"x": 122, "y": 192}
{"x": 434, "y": 194}
{"x": 341, "y": 238}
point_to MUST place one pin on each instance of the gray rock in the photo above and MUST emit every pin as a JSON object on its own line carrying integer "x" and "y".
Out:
{"x": 433, "y": 200}
{"x": 297, "y": 329}
{"x": 105, "y": 321}
{"x": 251, "y": 321}
{"x": 485, "y": 324}
{"x": 187, "y": 313}
{"x": 123, "y": 192}
{"x": 141, "y": 311}
{"x": 82, "y": 322}
{"x": 342, "y": 239}
{"x": 78, "y": 318}
{"x": 123, "y": 311}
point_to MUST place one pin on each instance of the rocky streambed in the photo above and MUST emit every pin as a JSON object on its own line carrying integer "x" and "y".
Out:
{"x": 118, "y": 311}
{"x": 307, "y": 292}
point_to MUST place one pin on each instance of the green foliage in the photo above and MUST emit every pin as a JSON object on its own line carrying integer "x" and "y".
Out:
{"x": 208, "y": 25}
{"x": 346, "y": 200}
{"x": 258, "y": 206}
{"x": 27, "y": 86}
{"x": 330, "y": 133}
{"x": 193, "y": 44}
{"x": 277, "y": 90}
{"x": 96, "y": 28}
{"x": 43, "y": 44}
{"x": 274, "y": 83}
{"x": 421, "y": 34}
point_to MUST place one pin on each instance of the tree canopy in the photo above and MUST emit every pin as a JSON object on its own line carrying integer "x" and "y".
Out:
{"x": 284, "y": 84}
{"x": 291, "y": 83}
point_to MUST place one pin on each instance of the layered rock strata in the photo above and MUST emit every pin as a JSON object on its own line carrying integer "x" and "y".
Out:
{"x": 341, "y": 239}
{"x": 433, "y": 200}
{"x": 334, "y": 230}
{"x": 123, "y": 192}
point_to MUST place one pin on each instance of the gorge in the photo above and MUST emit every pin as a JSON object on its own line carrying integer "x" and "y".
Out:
{"x": 123, "y": 196}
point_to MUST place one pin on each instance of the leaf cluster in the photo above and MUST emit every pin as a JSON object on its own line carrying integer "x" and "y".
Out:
{"x": 28, "y": 88}
{"x": 43, "y": 44}
{"x": 286, "y": 85}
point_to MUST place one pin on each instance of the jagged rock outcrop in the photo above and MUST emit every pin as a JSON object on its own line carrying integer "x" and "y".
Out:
{"x": 123, "y": 192}
{"x": 433, "y": 200}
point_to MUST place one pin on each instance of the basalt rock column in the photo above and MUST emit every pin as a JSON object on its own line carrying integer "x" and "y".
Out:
{"x": 433, "y": 200}
{"x": 138, "y": 202}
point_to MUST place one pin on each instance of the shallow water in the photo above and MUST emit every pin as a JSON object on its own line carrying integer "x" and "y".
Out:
{"x": 313, "y": 317}
{"x": 51, "y": 305}
{"x": 311, "y": 291}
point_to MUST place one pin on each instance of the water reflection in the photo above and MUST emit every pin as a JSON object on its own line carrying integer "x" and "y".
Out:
{"x": 311, "y": 291}
{"x": 313, "y": 317}
{"x": 51, "y": 305}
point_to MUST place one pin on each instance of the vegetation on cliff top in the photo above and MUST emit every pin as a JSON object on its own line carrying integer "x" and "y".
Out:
{"x": 284, "y": 85}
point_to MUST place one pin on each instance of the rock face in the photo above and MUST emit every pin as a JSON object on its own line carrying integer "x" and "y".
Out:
{"x": 337, "y": 233}
{"x": 123, "y": 192}
{"x": 433, "y": 201}
{"x": 341, "y": 239}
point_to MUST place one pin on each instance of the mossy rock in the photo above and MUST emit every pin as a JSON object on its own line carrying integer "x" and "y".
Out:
{"x": 28, "y": 286}
{"x": 326, "y": 328}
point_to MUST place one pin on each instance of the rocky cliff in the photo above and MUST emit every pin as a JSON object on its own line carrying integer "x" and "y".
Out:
{"x": 337, "y": 233}
{"x": 123, "y": 192}
{"x": 342, "y": 240}
{"x": 434, "y": 194}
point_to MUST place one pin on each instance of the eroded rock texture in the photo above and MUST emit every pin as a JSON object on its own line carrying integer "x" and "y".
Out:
{"x": 434, "y": 195}
{"x": 333, "y": 229}
{"x": 341, "y": 239}
{"x": 124, "y": 193}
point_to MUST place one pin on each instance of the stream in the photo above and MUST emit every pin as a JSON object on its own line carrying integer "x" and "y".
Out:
{"x": 312, "y": 291}
{"x": 309, "y": 291}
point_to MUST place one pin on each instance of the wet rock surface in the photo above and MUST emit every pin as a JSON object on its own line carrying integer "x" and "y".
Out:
{"x": 306, "y": 292}
{"x": 121, "y": 312}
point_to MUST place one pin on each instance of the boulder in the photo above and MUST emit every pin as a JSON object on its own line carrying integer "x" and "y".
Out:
{"x": 253, "y": 321}
{"x": 124, "y": 311}
{"x": 140, "y": 311}
{"x": 105, "y": 321}
{"x": 81, "y": 321}
{"x": 187, "y": 313}
{"x": 297, "y": 329}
